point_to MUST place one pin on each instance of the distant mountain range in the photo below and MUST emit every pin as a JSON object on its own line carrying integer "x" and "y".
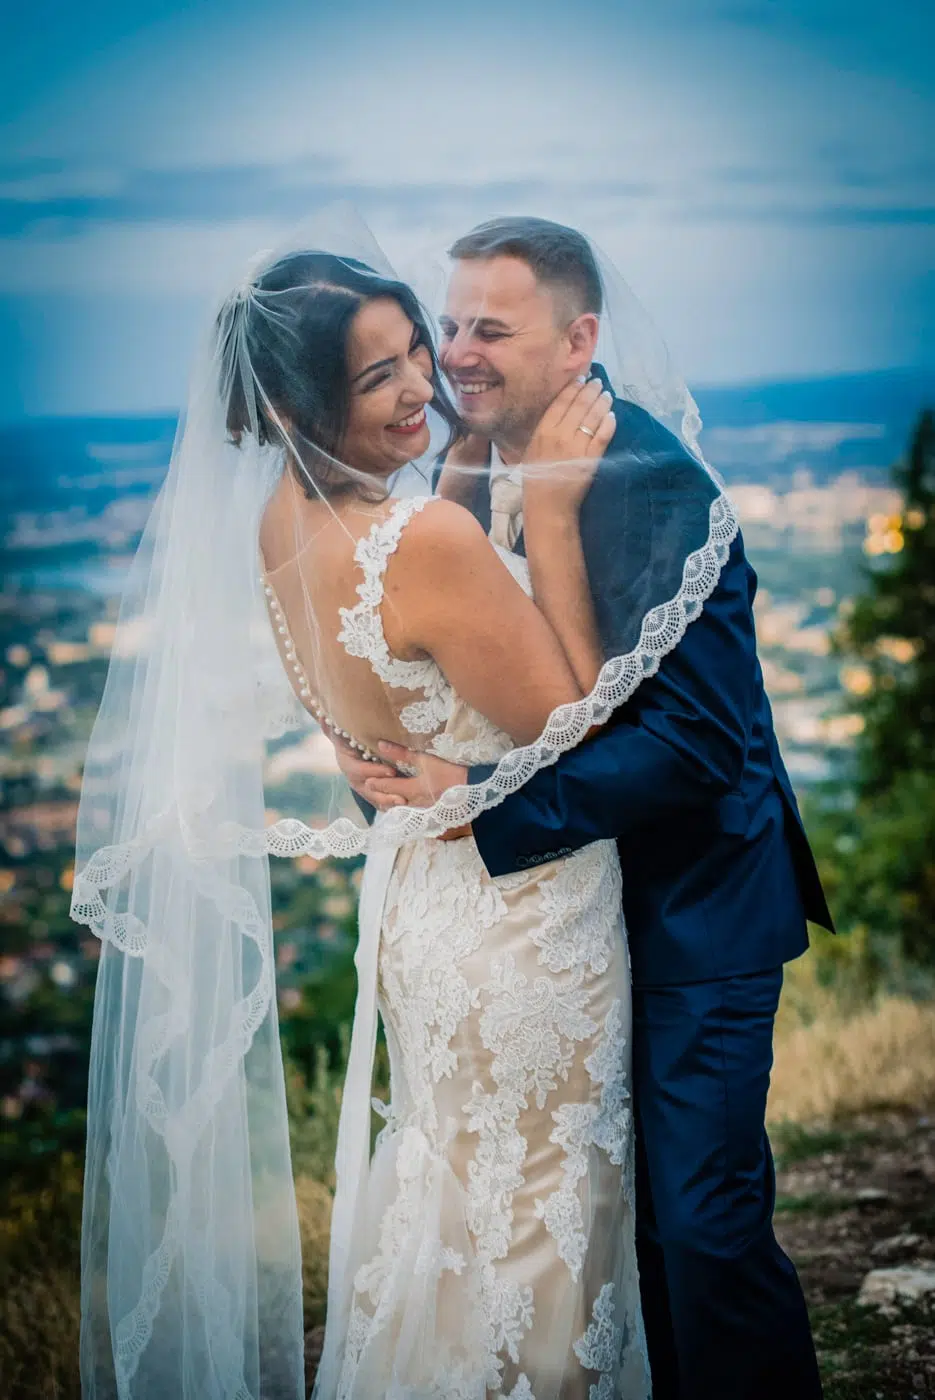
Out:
{"x": 855, "y": 422}
{"x": 894, "y": 397}
{"x": 78, "y": 468}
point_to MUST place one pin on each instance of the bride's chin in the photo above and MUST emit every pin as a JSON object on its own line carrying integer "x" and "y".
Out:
{"x": 414, "y": 447}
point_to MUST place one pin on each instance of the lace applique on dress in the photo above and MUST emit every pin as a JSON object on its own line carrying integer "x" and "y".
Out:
{"x": 484, "y": 1034}
{"x": 580, "y": 904}
{"x": 581, "y": 1126}
{"x": 613, "y": 1124}
{"x": 486, "y": 745}
{"x": 531, "y": 1032}
{"x": 362, "y": 625}
{"x": 438, "y": 925}
{"x": 599, "y": 1348}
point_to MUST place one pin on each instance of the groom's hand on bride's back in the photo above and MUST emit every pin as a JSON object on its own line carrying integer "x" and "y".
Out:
{"x": 384, "y": 785}
{"x": 358, "y": 770}
{"x": 416, "y": 779}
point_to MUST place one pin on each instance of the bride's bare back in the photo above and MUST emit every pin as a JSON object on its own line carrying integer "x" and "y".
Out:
{"x": 307, "y": 588}
{"x": 387, "y": 613}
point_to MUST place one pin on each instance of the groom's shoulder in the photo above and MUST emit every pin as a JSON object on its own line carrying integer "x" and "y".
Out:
{"x": 638, "y": 431}
{"x": 646, "y": 448}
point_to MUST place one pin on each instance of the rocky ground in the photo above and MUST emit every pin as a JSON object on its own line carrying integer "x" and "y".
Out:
{"x": 851, "y": 1201}
{"x": 856, "y": 1200}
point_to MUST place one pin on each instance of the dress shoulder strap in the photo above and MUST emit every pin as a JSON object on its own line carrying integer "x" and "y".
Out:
{"x": 362, "y": 633}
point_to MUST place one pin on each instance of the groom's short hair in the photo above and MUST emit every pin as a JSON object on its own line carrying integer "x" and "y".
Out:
{"x": 559, "y": 256}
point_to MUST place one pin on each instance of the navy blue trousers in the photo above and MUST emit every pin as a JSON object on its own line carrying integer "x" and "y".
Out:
{"x": 724, "y": 1311}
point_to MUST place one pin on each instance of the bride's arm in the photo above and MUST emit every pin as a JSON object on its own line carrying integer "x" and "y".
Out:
{"x": 449, "y": 595}
{"x": 561, "y": 588}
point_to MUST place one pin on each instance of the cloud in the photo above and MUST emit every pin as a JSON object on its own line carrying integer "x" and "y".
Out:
{"x": 764, "y": 181}
{"x": 65, "y": 200}
{"x": 44, "y": 202}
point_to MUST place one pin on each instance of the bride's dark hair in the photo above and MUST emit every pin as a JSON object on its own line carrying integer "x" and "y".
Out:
{"x": 283, "y": 347}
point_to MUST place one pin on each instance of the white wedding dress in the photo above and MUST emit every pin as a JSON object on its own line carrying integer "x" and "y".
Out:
{"x": 487, "y": 1249}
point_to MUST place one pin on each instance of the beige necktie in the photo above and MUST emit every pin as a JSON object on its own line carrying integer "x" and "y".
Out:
{"x": 506, "y": 510}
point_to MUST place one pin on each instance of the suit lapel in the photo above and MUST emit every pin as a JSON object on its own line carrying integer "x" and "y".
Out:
{"x": 480, "y": 501}
{"x": 480, "y": 506}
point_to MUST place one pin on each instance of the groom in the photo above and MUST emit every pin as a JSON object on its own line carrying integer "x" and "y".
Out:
{"x": 718, "y": 877}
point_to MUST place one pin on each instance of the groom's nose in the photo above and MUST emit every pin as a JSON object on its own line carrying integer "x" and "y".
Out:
{"x": 417, "y": 385}
{"x": 461, "y": 350}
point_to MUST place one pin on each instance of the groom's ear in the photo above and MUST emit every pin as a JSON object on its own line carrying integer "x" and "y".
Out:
{"x": 582, "y": 340}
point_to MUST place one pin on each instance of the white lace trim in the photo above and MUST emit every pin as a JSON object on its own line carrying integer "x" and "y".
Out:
{"x": 183, "y": 1128}
{"x": 662, "y": 630}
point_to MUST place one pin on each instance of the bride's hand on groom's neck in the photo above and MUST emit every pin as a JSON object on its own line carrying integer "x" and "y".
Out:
{"x": 566, "y": 448}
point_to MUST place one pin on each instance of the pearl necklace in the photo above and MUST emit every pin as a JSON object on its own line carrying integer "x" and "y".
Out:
{"x": 305, "y": 690}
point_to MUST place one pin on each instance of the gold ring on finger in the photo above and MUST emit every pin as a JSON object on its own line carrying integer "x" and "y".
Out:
{"x": 588, "y": 431}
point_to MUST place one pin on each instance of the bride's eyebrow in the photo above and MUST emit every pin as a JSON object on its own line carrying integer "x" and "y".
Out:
{"x": 390, "y": 359}
{"x": 377, "y": 364}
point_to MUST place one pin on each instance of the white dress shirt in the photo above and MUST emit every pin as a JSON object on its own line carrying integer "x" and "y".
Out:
{"x": 506, "y": 501}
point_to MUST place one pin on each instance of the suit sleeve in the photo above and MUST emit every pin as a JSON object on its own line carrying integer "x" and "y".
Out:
{"x": 368, "y": 811}
{"x": 679, "y": 743}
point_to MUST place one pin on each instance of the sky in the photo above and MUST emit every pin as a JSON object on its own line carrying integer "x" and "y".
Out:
{"x": 761, "y": 172}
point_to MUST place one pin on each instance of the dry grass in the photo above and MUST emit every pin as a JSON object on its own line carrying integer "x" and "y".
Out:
{"x": 39, "y": 1299}
{"x": 39, "y": 1335}
{"x": 832, "y": 1062}
{"x": 314, "y": 1202}
{"x": 39, "y": 1308}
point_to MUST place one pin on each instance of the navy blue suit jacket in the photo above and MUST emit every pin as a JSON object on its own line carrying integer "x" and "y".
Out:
{"x": 718, "y": 875}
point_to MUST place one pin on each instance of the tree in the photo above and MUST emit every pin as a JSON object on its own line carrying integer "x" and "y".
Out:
{"x": 892, "y": 630}
{"x": 877, "y": 850}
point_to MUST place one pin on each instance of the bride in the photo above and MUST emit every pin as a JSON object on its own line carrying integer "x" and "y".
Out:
{"x": 494, "y": 1247}
{"x": 487, "y": 1248}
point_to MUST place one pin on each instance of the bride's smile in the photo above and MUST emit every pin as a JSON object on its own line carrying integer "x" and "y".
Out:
{"x": 390, "y": 372}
